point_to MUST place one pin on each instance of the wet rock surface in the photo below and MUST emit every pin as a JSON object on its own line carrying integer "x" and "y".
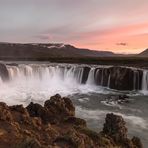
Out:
{"x": 115, "y": 127}
{"x": 111, "y": 100}
{"x": 119, "y": 78}
{"x": 54, "y": 125}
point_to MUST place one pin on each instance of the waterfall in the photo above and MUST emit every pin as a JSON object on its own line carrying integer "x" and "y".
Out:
{"x": 108, "y": 83}
{"x": 66, "y": 74}
{"x": 136, "y": 85}
{"x": 49, "y": 79}
{"x": 145, "y": 81}
{"x": 36, "y": 82}
{"x": 102, "y": 76}
{"x": 91, "y": 77}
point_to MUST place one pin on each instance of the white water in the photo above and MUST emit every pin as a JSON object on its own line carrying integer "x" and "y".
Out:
{"x": 91, "y": 80}
{"x": 39, "y": 82}
{"x": 145, "y": 82}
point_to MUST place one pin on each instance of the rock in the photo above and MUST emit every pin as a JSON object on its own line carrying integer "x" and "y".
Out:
{"x": 29, "y": 143}
{"x": 65, "y": 142}
{"x": 119, "y": 78}
{"x": 5, "y": 114}
{"x": 75, "y": 121}
{"x": 32, "y": 127}
{"x": 60, "y": 106}
{"x": 137, "y": 142}
{"x": 36, "y": 110}
{"x": 20, "y": 114}
{"x": 19, "y": 108}
{"x": 122, "y": 78}
{"x": 117, "y": 99}
{"x": 115, "y": 127}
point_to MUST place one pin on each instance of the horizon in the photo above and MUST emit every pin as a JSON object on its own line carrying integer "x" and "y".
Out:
{"x": 119, "y": 27}
{"x": 99, "y": 50}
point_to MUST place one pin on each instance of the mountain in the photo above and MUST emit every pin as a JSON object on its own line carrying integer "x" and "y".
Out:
{"x": 15, "y": 50}
{"x": 144, "y": 53}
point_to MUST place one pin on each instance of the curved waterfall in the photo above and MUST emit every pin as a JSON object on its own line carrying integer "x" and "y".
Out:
{"x": 27, "y": 82}
{"x": 120, "y": 78}
{"x": 36, "y": 72}
{"x": 37, "y": 81}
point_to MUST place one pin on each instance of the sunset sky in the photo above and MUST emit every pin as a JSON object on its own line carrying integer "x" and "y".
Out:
{"x": 116, "y": 25}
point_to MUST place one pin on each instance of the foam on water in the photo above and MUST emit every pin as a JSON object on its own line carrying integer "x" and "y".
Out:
{"x": 136, "y": 121}
{"x": 38, "y": 83}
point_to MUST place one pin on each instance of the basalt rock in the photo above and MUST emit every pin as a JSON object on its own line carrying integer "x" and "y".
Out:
{"x": 32, "y": 127}
{"x": 115, "y": 128}
{"x": 36, "y": 110}
{"x": 119, "y": 78}
{"x": 60, "y": 106}
{"x": 122, "y": 78}
{"x": 75, "y": 121}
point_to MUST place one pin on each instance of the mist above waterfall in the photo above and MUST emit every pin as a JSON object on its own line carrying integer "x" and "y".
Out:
{"x": 37, "y": 82}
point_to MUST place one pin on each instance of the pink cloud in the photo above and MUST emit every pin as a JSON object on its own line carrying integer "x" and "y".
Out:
{"x": 135, "y": 36}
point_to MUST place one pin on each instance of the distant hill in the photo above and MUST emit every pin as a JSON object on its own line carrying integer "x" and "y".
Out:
{"x": 144, "y": 53}
{"x": 12, "y": 50}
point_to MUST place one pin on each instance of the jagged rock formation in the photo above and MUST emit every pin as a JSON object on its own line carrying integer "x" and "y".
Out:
{"x": 54, "y": 125}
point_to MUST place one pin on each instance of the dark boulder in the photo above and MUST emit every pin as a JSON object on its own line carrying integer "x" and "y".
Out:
{"x": 36, "y": 110}
{"x": 54, "y": 110}
{"x": 115, "y": 127}
{"x": 60, "y": 106}
{"x": 5, "y": 114}
{"x": 75, "y": 121}
{"x": 137, "y": 142}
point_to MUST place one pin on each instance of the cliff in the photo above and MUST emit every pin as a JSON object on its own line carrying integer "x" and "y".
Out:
{"x": 54, "y": 125}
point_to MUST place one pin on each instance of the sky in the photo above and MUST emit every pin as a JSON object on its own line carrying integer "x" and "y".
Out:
{"x": 120, "y": 26}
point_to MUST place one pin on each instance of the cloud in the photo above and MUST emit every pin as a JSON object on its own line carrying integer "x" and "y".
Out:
{"x": 43, "y": 37}
{"x": 122, "y": 44}
{"x": 92, "y": 24}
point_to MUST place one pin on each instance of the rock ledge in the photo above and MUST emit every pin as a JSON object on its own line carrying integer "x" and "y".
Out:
{"x": 54, "y": 125}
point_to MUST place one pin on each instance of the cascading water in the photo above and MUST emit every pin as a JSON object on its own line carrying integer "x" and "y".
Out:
{"x": 38, "y": 81}
{"x": 108, "y": 83}
{"x": 145, "y": 81}
{"x": 91, "y": 76}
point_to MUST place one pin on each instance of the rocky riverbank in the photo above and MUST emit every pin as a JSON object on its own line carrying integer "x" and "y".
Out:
{"x": 54, "y": 125}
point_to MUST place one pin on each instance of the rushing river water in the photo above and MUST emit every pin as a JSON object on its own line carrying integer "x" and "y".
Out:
{"x": 37, "y": 82}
